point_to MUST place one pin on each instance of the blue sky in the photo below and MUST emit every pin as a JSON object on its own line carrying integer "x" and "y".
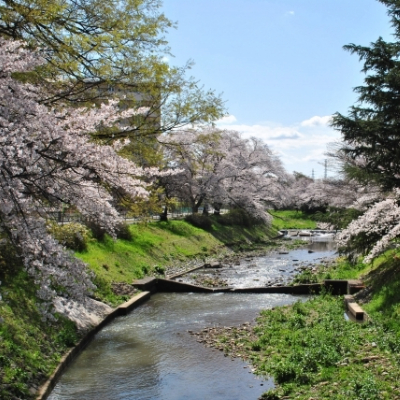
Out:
{"x": 279, "y": 64}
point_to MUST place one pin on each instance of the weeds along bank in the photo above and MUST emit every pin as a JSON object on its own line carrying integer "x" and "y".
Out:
{"x": 31, "y": 348}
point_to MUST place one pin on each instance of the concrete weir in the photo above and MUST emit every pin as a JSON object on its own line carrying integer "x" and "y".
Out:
{"x": 336, "y": 287}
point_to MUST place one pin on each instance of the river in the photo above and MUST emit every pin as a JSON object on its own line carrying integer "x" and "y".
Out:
{"x": 149, "y": 354}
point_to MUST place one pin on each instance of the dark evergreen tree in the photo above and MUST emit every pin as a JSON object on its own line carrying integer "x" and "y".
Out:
{"x": 371, "y": 131}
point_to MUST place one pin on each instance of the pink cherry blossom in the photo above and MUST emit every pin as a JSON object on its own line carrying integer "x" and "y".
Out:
{"x": 46, "y": 160}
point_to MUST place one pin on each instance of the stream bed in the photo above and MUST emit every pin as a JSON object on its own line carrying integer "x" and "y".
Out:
{"x": 150, "y": 354}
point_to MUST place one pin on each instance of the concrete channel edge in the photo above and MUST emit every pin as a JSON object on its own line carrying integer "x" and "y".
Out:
{"x": 46, "y": 389}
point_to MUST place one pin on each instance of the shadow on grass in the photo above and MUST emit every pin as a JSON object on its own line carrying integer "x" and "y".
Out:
{"x": 384, "y": 282}
{"x": 237, "y": 234}
{"x": 30, "y": 347}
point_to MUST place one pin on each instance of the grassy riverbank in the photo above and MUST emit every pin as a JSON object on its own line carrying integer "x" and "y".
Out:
{"x": 290, "y": 219}
{"x": 313, "y": 352}
{"x": 30, "y": 348}
{"x": 156, "y": 247}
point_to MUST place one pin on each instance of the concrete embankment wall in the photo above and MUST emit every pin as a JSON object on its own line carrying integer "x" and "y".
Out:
{"x": 123, "y": 309}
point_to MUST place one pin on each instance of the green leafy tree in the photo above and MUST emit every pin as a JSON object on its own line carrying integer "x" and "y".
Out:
{"x": 371, "y": 130}
{"x": 97, "y": 49}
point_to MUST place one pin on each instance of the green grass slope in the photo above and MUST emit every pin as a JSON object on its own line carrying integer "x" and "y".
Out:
{"x": 157, "y": 245}
{"x": 290, "y": 219}
{"x": 30, "y": 348}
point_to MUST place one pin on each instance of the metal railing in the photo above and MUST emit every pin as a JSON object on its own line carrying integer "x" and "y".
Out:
{"x": 67, "y": 217}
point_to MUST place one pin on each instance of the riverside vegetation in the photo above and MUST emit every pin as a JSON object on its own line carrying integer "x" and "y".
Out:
{"x": 313, "y": 352}
{"x": 30, "y": 349}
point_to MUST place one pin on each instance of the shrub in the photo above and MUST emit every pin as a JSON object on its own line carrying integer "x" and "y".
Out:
{"x": 68, "y": 334}
{"x": 199, "y": 221}
{"x": 159, "y": 269}
{"x": 123, "y": 232}
{"x": 285, "y": 371}
{"x": 9, "y": 259}
{"x": 72, "y": 235}
{"x": 305, "y": 277}
{"x": 238, "y": 217}
{"x": 339, "y": 218}
{"x": 97, "y": 231}
{"x": 365, "y": 387}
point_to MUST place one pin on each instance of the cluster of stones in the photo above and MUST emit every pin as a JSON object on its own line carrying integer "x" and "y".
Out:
{"x": 183, "y": 268}
{"x": 213, "y": 281}
{"x": 233, "y": 347}
{"x": 212, "y": 278}
{"x": 123, "y": 289}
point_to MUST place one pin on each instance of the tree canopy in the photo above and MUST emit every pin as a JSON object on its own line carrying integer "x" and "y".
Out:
{"x": 222, "y": 168}
{"x": 371, "y": 130}
{"x": 94, "y": 46}
{"x": 47, "y": 159}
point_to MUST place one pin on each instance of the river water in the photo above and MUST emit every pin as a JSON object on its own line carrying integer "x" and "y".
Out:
{"x": 149, "y": 354}
{"x": 275, "y": 269}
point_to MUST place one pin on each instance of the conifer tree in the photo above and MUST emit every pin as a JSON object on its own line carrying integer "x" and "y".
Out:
{"x": 371, "y": 130}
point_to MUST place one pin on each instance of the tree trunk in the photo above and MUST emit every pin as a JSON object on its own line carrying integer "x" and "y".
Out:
{"x": 217, "y": 209}
{"x": 196, "y": 205}
{"x": 164, "y": 214}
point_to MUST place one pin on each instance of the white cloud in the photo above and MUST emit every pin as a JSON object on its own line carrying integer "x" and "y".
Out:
{"x": 228, "y": 119}
{"x": 317, "y": 121}
{"x": 290, "y": 13}
{"x": 301, "y": 146}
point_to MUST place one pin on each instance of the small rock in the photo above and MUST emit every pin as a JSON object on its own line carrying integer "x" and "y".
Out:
{"x": 370, "y": 358}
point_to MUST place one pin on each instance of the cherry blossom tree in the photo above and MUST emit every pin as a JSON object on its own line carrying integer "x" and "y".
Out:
{"x": 374, "y": 232}
{"x": 302, "y": 193}
{"x": 220, "y": 167}
{"x": 47, "y": 159}
{"x": 340, "y": 192}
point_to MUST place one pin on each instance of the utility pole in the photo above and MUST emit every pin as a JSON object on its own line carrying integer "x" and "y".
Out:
{"x": 326, "y": 169}
{"x": 313, "y": 174}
